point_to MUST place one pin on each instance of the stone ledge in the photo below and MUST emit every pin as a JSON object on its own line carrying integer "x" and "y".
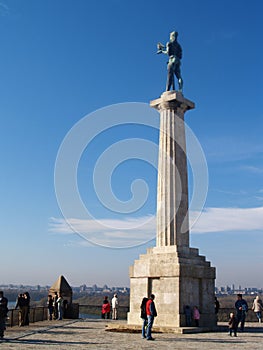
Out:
{"x": 124, "y": 328}
{"x": 171, "y": 96}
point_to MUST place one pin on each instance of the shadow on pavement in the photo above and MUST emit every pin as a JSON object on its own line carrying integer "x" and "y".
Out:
{"x": 48, "y": 342}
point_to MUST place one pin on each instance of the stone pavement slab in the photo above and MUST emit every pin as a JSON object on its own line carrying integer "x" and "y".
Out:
{"x": 91, "y": 334}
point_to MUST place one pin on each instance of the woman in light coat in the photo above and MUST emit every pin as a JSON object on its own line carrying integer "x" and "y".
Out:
{"x": 257, "y": 307}
{"x": 60, "y": 307}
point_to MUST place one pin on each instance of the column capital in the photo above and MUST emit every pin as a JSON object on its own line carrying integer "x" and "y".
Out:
{"x": 172, "y": 100}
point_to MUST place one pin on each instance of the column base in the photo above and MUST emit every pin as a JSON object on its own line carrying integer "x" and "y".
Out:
{"x": 176, "y": 279}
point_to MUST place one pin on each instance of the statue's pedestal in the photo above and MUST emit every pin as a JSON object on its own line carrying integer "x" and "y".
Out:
{"x": 176, "y": 279}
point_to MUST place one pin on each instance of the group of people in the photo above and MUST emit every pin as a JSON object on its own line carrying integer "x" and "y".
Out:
{"x": 56, "y": 306}
{"x": 148, "y": 313}
{"x": 107, "y": 307}
{"x": 23, "y": 305}
{"x": 191, "y": 315}
{"x": 241, "y": 312}
{"x": 194, "y": 314}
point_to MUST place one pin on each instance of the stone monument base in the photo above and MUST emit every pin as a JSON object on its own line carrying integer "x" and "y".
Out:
{"x": 176, "y": 278}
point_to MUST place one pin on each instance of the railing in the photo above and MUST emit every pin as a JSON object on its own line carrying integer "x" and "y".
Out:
{"x": 36, "y": 314}
{"x": 223, "y": 315}
{"x": 95, "y": 310}
{"x": 40, "y": 313}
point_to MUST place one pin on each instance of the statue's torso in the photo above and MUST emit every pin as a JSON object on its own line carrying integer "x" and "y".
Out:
{"x": 174, "y": 49}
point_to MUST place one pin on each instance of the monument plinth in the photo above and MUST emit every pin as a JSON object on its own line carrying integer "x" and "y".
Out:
{"x": 174, "y": 272}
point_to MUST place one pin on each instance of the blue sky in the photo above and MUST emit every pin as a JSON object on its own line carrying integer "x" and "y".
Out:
{"x": 64, "y": 60}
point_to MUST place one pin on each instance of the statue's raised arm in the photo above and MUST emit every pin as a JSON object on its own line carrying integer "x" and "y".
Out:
{"x": 174, "y": 51}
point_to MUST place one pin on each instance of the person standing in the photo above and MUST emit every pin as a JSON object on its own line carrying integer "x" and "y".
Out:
{"x": 105, "y": 309}
{"x": 232, "y": 324}
{"x": 144, "y": 316}
{"x": 242, "y": 308}
{"x": 26, "y": 308}
{"x": 187, "y": 312}
{"x": 114, "y": 306}
{"x": 3, "y": 313}
{"x": 217, "y": 305}
{"x": 50, "y": 307}
{"x": 55, "y": 304}
{"x": 60, "y": 307}
{"x": 65, "y": 308}
{"x": 196, "y": 316}
{"x": 21, "y": 315}
{"x": 257, "y": 307}
{"x": 151, "y": 313}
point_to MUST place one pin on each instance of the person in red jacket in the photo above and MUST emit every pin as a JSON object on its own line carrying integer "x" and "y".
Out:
{"x": 105, "y": 309}
{"x": 151, "y": 313}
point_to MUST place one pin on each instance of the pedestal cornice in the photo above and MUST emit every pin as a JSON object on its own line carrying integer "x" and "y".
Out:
{"x": 172, "y": 100}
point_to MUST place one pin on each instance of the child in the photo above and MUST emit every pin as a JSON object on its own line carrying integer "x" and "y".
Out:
{"x": 196, "y": 316}
{"x": 232, "y": 324}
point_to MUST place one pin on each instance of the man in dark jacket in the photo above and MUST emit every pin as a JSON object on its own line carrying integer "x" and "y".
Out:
{"x": 20, "y": 303}
{"x": 3, "y": 313}
{"x": 144, "y": 316}
{"x": 242, "y": 308}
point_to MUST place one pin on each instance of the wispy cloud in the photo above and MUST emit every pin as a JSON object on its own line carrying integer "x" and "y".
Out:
{"x": 226, "y": 149}
{"x": 229, "y": 219}
{"x": 253, "y": 169}
{"x": 135, "y": 231}
{"x": 108, "y": 232}
{"x": 216, "y": 36}
{"x": 237, "y": 193}
{"x": 4, "y": 9}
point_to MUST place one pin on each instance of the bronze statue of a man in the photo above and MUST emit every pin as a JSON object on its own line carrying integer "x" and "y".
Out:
{"x": 174, "y": 51}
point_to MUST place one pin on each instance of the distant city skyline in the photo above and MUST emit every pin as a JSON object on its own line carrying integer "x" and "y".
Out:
{"x": 64, "y": 60}
{"x": 84, "y": 287}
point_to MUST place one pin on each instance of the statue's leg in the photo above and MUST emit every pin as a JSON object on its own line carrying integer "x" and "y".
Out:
{"x": 180, "y": 83}
{"x": 173, "y": 85}
{"x": 179, "y": 77}
{"x": 168, "y": 85}
{"x": 170, "y": 77}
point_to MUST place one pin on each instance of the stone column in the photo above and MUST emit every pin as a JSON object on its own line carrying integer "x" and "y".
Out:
{"x": 172, "y": 195}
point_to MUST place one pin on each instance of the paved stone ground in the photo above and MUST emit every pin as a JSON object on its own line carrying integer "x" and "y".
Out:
{"x": 91, "y": 334}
